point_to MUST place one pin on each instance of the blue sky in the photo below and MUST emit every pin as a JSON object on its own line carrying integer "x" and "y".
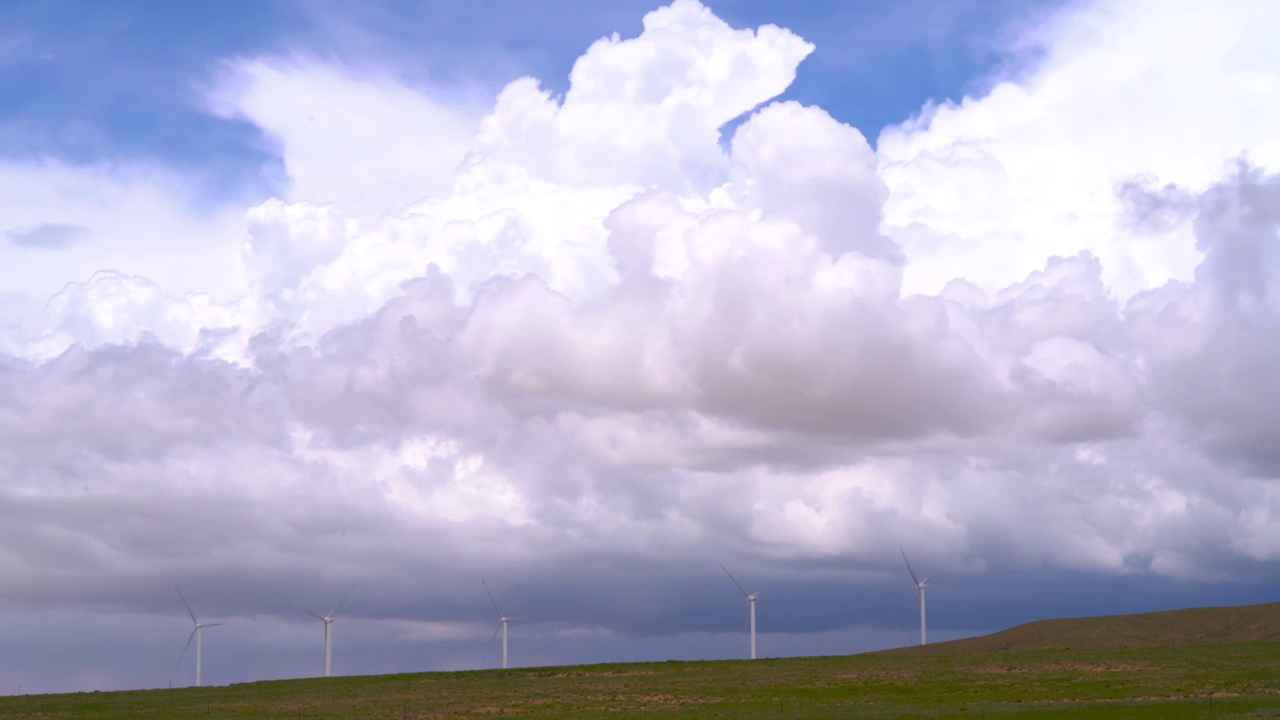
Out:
{"x": 87, "y": 81}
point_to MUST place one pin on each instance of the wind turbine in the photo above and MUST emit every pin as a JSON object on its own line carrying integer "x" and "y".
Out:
{"x": 195, "y": 633}
{"x": 502, "y": 625}
{"x": 328, "y": 635}
{"x": 920, "y": 586}
{"x": 751, "y": 609}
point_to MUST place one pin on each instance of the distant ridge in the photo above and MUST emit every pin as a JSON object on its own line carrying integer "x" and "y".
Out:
{"x": 1209, "y": 625}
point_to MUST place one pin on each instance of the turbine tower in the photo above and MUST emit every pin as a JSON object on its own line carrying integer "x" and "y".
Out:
{"x": 751, "y": 609}
{"x": 195, "y": 633}
{"x": 328, "y": 634}
{"x": 920, "y": 586}
{"x": 502, "y": 626}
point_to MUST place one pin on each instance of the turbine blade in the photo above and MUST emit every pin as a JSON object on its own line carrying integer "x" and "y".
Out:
{"x": 926, "y": 580}
{"x": 491, "y": 598}
{"x": 489, "y": 647}
{"x": 212, "y": 624}
{"x": 344, "y": 598}
{"x": 908, "y": 562}
{"x": 315, "y": 616}
{"x": 184, "y": 603}
{"x": 186, "y": 647}
{"x": 735, "y": 582}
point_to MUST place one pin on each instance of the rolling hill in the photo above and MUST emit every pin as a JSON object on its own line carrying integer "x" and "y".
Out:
{"x": 1202, "y": 663}
{"x": 1209, "y": 625}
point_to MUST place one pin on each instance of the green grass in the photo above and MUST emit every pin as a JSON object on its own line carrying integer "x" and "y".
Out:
{"x": 1121, "y": 683}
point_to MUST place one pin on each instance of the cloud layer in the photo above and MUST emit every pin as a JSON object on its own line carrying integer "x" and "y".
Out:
{"x": 589, "y": 346}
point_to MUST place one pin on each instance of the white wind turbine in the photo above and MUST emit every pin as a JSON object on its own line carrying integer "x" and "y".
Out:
{"x": 751, "y": 609}
{"x": 195, "y": 633}
{"x": 920, "y": 586}
{"x": 328, "y": 633}
{"x": 502, "y": 626}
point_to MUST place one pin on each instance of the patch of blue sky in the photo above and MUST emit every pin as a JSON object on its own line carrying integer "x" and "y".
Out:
{"x": 85, "y": 81}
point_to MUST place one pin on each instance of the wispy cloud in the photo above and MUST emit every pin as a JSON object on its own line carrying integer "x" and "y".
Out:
{"x": 46, "y": 236}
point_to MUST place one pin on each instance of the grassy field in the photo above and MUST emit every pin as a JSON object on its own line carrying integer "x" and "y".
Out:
{"x": 1190, "y": 668}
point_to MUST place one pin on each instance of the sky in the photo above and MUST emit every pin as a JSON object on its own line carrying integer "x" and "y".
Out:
{"x": 590, "y": 298}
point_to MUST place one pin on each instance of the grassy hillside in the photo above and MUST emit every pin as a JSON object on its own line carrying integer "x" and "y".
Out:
{"x": 1190, "y": 669}
{"x": 1246, "y": 624}
{"x": 1241, "y": 681}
